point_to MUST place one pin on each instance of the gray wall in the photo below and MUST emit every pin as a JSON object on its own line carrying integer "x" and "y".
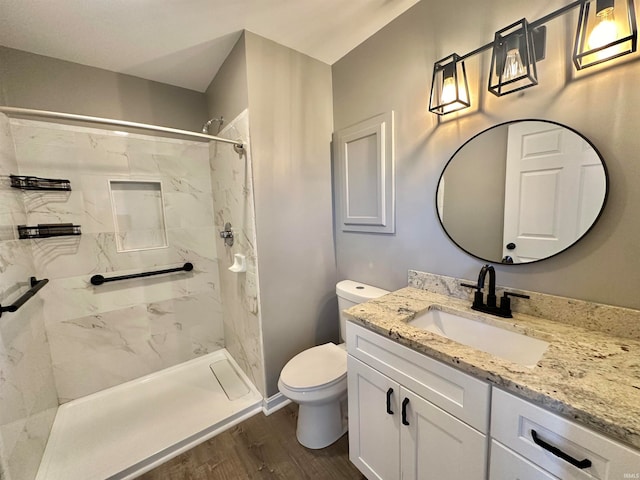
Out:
{"x": 227, "y": 94}
{"x": 34, "y": 81}
{"x": 474, "y": 194}
{"x": 392, "y": 70}
{"x": 291, "y": 123}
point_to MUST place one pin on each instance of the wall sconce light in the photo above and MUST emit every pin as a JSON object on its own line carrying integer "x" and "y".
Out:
{"x": 449, "y": 87}
{"x": 518, "y": 47}
{"x": 606, "y": 30}
{"x": 513, "y": 62}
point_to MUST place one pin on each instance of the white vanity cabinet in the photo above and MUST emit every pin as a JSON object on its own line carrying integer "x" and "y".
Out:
{"x": 529, "y": 442}
{"x": 410, "y": 416}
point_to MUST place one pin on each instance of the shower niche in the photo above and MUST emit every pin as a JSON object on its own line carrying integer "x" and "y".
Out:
{"x": 138, "y": 215}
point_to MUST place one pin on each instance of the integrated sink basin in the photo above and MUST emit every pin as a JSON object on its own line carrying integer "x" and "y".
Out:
{"x": 512, "y": 346}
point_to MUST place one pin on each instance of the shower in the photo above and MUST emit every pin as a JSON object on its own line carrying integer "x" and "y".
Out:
{"x": 207, "y": 124}
{"x": 161, "y": 340}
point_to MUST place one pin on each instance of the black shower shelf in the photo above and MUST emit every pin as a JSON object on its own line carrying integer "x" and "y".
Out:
{"x": 46, "y": 230}
{"x": 38, "y": 183}
{"x": 35, "y": 286}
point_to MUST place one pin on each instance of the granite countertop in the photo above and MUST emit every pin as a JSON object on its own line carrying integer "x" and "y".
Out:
{"x": 585, "y": 375}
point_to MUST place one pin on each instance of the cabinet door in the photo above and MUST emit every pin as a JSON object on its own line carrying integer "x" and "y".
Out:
{"x": 374, "y": 437}
{"x": 436, "y": 445}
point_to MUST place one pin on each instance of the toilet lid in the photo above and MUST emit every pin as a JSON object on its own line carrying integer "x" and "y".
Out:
{"x": 315, "y": 367}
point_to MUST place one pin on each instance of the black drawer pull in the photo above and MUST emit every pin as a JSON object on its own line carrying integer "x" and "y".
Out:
{"x": 581, "y": 464}
{"x": 389, "y": 393}
{"x": 405, "y": 402}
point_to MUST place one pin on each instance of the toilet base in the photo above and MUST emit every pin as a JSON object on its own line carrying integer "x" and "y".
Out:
{"x": 321, "y": 425}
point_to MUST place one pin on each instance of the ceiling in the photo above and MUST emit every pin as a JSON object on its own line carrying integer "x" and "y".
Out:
{"x": 184, "y": 42}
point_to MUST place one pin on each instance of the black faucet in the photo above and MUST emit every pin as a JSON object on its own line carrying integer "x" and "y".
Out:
{"x": 504, "y": 310}
{"x": 491, "y": 296}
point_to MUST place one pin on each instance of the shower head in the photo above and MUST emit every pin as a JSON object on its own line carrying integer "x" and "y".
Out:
{"x": 207, "y": 124}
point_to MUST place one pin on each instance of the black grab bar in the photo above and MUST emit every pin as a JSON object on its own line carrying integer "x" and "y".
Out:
{"x": 99, "y": 279}
{"x": 35, "y": 286}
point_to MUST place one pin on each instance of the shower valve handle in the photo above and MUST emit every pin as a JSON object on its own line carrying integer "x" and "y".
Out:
{"x": 227, "y": 234}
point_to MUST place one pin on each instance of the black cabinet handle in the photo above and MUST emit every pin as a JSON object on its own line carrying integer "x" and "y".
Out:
{"x": 405, "y": 402}
{"x": 581, "y": 464}
{"x": 511, "y": 246}
{"x": 389, "y": 393}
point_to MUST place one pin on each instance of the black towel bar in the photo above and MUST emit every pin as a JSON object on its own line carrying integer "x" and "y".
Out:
{"x": 99, "y": 279}
{"x": 35, "y": 286}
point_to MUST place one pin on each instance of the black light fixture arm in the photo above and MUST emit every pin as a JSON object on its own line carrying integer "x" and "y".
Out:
{"x": 541, "y": 21}
{"x": 557, "y": 13}
{"x": 478, "y": 50}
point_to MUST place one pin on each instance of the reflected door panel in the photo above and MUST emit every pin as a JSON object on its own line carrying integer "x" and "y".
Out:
{"x": 521, "y": 191}
{"x": 541, "y": 190}
{"x": 593, "y": 188}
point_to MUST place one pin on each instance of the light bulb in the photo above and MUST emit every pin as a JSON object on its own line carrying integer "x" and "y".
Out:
{"x": 513, "y": 67}
{"x": 450, "y": 94}
{"x": 605, "y": 30}
{"x": 448, "y": 90}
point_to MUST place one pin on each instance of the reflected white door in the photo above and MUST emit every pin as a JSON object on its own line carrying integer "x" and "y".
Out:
{"x": 554, "y": 190}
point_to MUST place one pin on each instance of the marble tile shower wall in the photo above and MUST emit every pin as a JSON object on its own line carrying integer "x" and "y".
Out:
{"x": 28, "y": 398}
{"x": 105, "y": 335}
{"x": 233, "y": 200}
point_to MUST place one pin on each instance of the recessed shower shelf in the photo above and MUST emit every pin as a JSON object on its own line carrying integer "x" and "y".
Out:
{"x": 46, "y": 230}
{"x": 38, "y": 183}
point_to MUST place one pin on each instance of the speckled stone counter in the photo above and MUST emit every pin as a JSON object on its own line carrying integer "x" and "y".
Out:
{"x": 586, "y": 375}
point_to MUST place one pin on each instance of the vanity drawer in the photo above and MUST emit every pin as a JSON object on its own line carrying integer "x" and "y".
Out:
{"x": 513, "y": 421}
{"x": 508, "y": 465}
{"x": 459, "y": 394}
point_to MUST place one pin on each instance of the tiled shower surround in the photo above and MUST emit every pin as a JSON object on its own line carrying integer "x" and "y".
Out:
{"x": 233, "y": 200}
{"x": 104, "y": 335}
{"x": 28, "y": 399}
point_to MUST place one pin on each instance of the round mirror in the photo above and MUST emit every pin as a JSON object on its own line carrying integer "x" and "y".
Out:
{"x": 521, "y": 191}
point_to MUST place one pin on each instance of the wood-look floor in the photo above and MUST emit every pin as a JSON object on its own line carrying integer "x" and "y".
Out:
{"x": 260, "y": 448}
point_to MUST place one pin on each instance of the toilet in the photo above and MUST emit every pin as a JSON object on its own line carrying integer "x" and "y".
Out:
{"x": 316, "y": 378}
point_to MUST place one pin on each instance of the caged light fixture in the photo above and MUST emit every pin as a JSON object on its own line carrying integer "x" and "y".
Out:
{"x": 513, "y": 61}
{"x": 606, "y": 30}
{"x": 450, "y": 90}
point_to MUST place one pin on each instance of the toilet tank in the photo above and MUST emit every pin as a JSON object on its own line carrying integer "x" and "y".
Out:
{"x": 351, "y": 293}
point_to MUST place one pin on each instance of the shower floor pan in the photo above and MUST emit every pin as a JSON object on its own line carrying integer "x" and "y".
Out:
{"x": 126, "y": 430}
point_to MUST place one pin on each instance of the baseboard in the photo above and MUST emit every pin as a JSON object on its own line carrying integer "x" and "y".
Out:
{"x": 274, "y": 403}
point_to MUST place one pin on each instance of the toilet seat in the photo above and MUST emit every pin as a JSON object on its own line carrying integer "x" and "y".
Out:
{"x": 316, "y": 368}
{"x": 316, "y": 379}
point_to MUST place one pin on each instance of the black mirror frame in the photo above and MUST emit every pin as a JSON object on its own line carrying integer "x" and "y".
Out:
{"x": 604, "y": 200}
